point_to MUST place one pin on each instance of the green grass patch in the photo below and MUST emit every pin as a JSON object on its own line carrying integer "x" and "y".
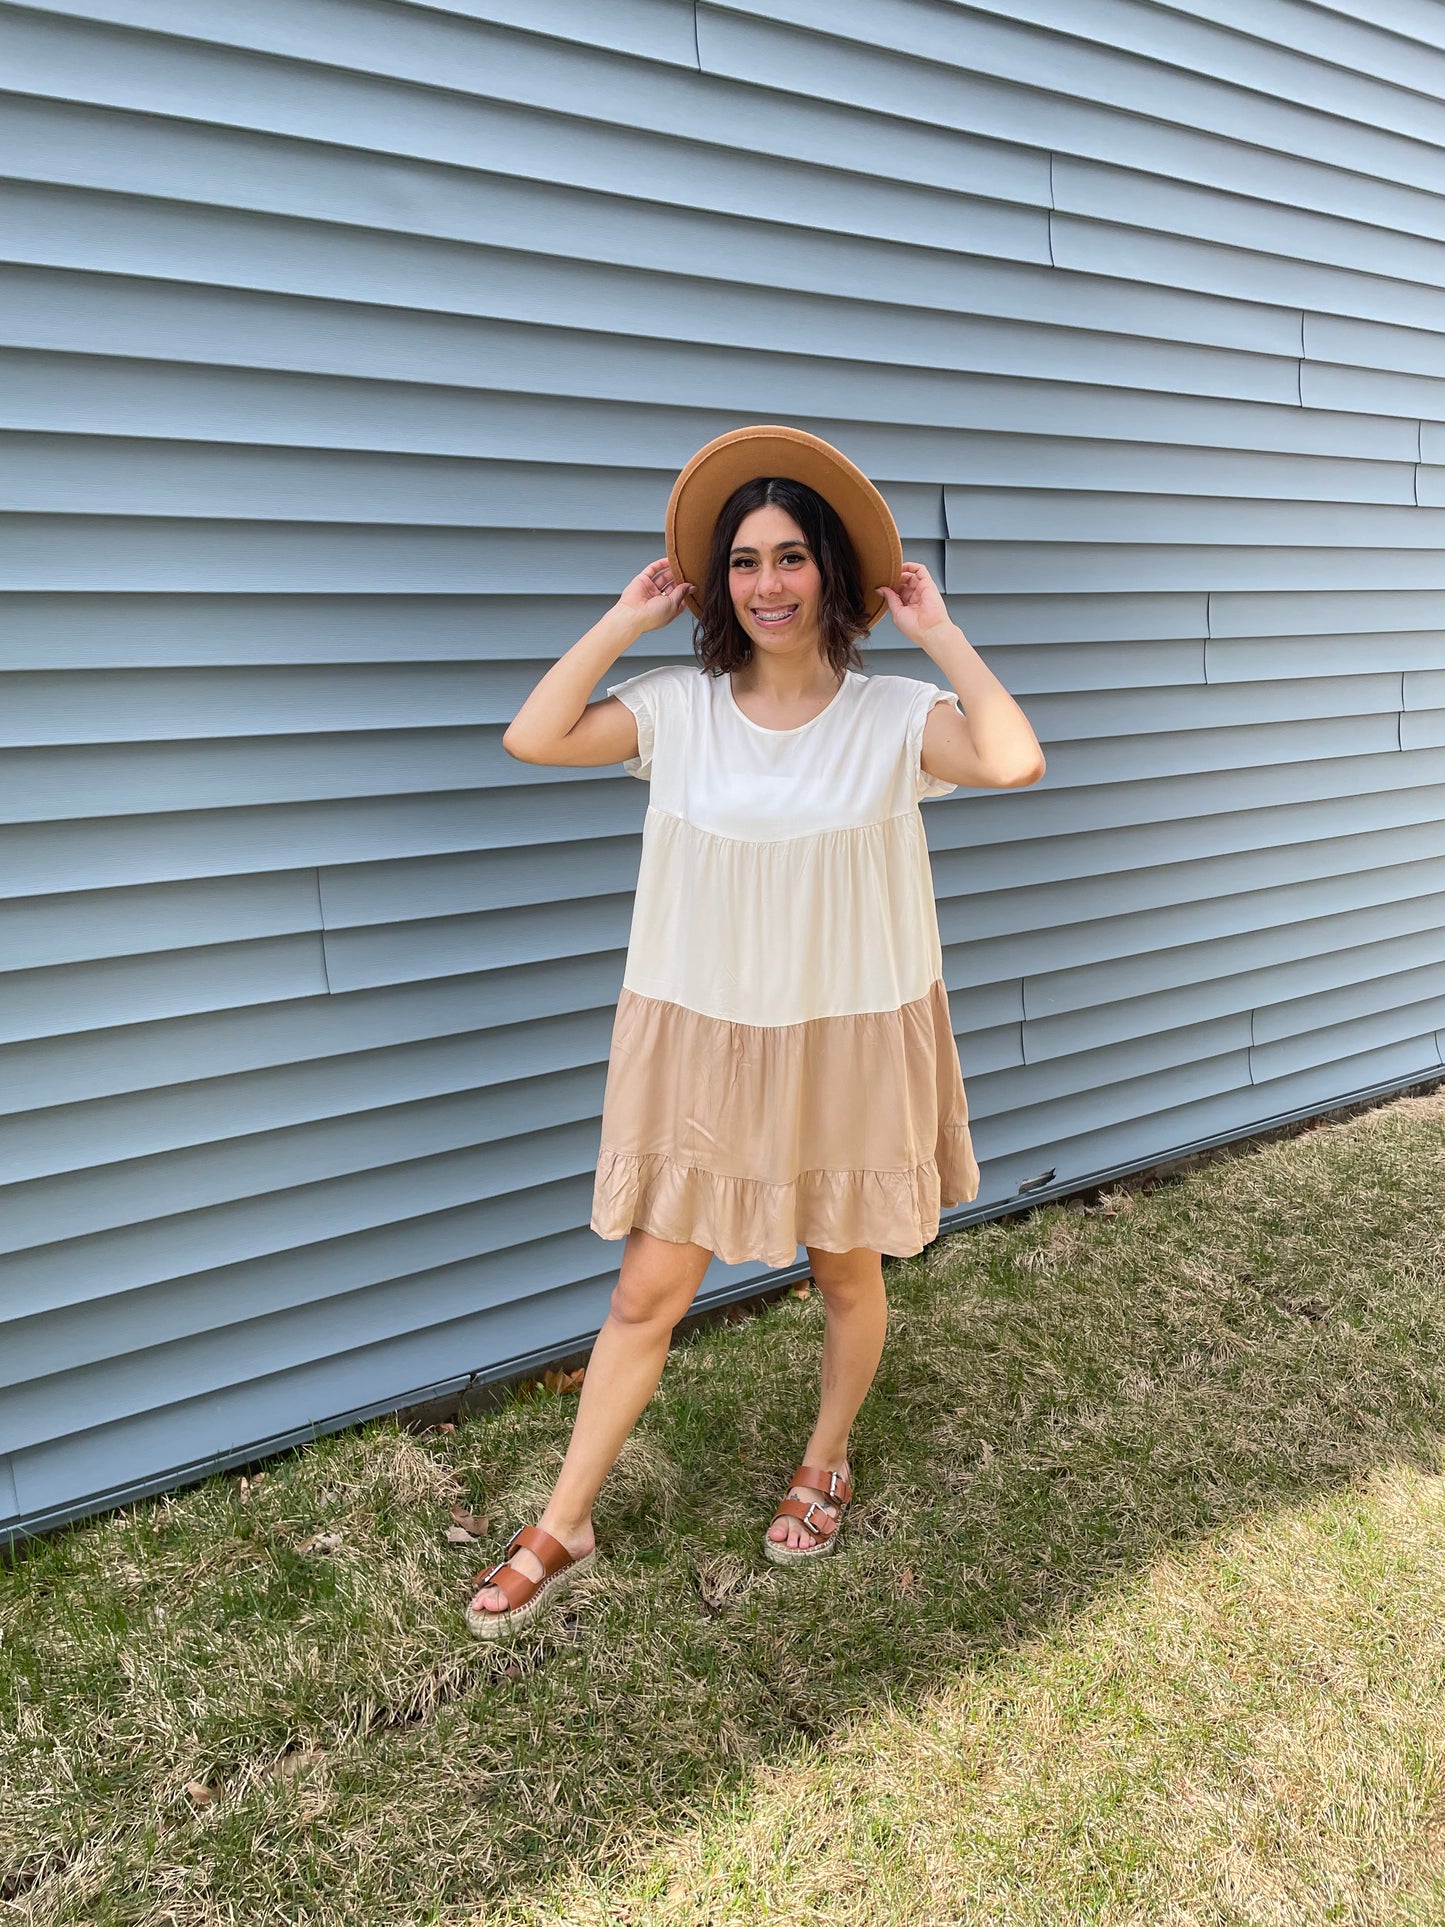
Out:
{"x": 1138, "y": 1618}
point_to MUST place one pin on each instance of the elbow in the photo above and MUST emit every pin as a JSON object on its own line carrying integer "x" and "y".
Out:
{"x": 1025, "y": 775}
{"x": 515, "y": 746}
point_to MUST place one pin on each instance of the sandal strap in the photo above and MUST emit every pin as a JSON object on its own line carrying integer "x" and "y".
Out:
{"x": 552, "y": 1553}
{"x": 837, "y": 1485}
{"x": 811, "y": 1515}
{"x": 516, "y": 1586}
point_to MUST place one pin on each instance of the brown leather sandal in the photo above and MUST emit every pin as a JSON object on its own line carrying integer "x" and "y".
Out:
{"x": 525, "y": 1596}
{"x": 812, "y": 1515}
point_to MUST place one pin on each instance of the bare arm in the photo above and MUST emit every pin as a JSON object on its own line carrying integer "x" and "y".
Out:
{"x": 557, "y": 724}
{"x": 991, "y": 746}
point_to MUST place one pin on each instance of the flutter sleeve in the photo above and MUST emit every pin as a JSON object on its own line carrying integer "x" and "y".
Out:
{"x": 925, "y": 695}
{"x": 644, "y": 695}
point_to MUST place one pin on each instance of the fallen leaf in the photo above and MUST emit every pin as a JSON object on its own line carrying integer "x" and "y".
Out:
{"x": 906, "y": 1581}
{"x": 476, "y": 1524}
{"x": 459, "y": 1536}
{"x": 199, "y": 1793}
{"x": 801, "y": 1291}
{"x": 321, "y": 1542}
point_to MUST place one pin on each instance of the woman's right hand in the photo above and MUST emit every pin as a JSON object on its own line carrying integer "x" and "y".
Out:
{"x": 652, "y": 598}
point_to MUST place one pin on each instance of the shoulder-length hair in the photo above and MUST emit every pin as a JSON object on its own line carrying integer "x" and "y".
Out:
{"x": 719, "y": 639}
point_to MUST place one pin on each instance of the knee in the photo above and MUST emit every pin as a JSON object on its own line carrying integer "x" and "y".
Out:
{"x": 848, "y": 1280}
{"x": 649, "y": 1300}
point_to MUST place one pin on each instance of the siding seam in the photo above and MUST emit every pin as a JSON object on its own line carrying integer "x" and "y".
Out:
{"x": 696, "y": 37}
{"x": 321, "y": 932}
{"x": 1053, "y": 206}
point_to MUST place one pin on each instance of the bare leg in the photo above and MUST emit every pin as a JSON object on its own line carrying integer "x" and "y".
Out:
{"x": 655, "y": 1286}
{"x": 852, "y": 1286}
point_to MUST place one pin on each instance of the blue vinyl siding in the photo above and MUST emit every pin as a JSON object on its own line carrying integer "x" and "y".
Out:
{"x": 331, "y": 332}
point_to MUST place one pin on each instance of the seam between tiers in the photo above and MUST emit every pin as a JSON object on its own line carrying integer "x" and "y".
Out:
{"x": 775, "y": 842}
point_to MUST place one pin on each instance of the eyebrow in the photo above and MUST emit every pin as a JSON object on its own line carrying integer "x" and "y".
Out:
{"x": 743, "y": 548}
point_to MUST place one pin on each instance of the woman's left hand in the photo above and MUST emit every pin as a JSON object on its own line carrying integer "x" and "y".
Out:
{"x": 916, "y": 603}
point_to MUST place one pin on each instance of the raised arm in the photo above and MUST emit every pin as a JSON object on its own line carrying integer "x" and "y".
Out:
{"x": 557, "y": 724}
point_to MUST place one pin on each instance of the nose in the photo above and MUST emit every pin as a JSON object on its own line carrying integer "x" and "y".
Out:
{"x": 769, "y": 580}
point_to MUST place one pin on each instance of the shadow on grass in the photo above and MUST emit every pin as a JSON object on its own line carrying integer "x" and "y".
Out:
{"x": 1062, "y": 1397}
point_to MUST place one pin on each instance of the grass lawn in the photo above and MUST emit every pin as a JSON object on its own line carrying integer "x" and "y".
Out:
{"x": 1140, "y": 1616}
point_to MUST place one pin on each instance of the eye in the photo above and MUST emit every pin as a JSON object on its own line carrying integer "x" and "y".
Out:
{"x": 795, "y": 555}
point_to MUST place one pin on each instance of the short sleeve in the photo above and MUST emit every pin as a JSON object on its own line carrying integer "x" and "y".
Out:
{"x": 642, "y": 695}
{"x": 927, "y": 694}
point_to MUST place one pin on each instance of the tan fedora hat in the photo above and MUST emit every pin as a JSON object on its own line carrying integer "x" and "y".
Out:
{"x": 725, "y": 464}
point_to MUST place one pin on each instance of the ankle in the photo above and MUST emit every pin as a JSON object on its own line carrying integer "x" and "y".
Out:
{"x": 566, "y": 1527}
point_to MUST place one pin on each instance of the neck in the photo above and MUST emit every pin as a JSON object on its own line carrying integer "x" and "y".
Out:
{"x": 788, "y": 678}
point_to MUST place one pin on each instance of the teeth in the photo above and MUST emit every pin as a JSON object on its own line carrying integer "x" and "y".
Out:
{"x": 772, "y": 615}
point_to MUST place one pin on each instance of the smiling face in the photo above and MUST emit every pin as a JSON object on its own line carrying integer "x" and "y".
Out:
{"x": 775, "y": 583}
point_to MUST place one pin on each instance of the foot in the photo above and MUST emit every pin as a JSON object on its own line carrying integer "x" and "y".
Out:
{"x": 579, "y": 1541}
{"x": 792, "y": 1532}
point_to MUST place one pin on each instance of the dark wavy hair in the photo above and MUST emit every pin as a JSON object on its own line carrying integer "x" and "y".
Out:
{"x": 719, "y": 640}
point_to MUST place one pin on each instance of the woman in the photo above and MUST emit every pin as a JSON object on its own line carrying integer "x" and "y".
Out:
{"x": 783, "y": 1068}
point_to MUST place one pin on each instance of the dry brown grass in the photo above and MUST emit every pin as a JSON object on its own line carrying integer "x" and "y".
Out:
{"x": 1139, "y": 1618}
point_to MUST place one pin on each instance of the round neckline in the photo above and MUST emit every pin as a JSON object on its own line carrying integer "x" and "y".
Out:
{"x": 797, "y": 728}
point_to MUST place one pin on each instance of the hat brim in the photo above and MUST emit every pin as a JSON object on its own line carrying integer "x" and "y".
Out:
{"x": 710, "y": 478}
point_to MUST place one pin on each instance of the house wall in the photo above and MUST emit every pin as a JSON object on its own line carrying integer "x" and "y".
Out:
{"x": 352, "y": 350}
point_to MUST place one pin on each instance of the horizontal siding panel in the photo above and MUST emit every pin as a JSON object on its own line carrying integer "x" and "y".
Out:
{"x": 333, "y": 333}
{"x": 1255, "y": 659}
{"x": 102, "y": 1462}
{"x": 1311, "y": 611}
{"x": 129, "y": 990}
{"x": 380, "y": 332}
{"x": 1056, "y": 90}
{"x": 1129, "y": 197}
{"x": 1423, "y": 729}
{"x": 1101, "y": 516}
{"x": 210, "y": 1111}
{"x": 551, "y": 1188}
{"x": 371, "y": 355}
{"x": 1256, "y": 987}
{"x": 497, "y": 939}
{"x": 1342, "y": 458}
{"x": 653, "y": 29}
{"x": 597, "y": 196}
{"x": 1338, "y": 36}
{"x": 147, "y": 848}
{"x": 87, "y": 924}
{"x": 1245, "y": 942}
{"x": 1383, "y": 993}
{"x": 984, "y": 569}
{"x": 40, "y": 785}
{"x": 370, "y": 894}
{"x": 1162, "y": 943}
{"x": 462, "y": 99}
{"x": 1147, "y": 1138}
{"x": 176, "y": 1051}
{"x": 1413, "y": 1024}
{"x": 155, "y": 705}
{"x": 133, "y": 1191}
{"x": 323, "y": 1274}
{"x": 1092, "y": 245}
{"x": 1113, "y": 874}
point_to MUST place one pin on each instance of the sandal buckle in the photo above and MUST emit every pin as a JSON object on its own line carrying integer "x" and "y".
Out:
{"x": 822, "y": 1532}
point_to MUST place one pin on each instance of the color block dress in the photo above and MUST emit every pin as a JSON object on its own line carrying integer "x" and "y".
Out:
{"x": 783, "y": 1069}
